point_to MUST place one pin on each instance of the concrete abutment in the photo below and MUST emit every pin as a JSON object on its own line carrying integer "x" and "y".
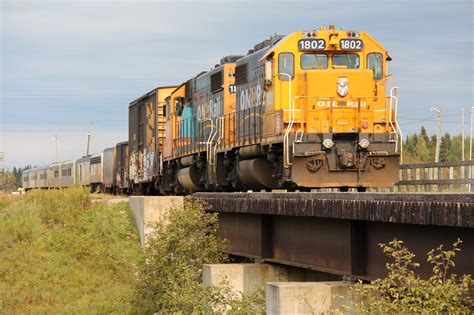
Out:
{"x": 147, "y": 211}
{"x": 282, "y": 296}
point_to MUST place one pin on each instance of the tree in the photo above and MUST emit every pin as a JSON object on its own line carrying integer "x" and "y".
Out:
{"x": 170, "y": 281}
{"x": 17, "y": 172}
{"x": 421, "y": 150}
{"x": 424, "y": 135}
{"x": 410, "y": 151}
{"x": 404, "y": 292}
{"x": 445, "y": 150}
{"x": 432, "y": 146}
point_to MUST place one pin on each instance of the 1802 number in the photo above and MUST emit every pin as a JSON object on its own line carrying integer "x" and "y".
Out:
{"x": 351, "y": 44}
{"x": 311, "y": 44}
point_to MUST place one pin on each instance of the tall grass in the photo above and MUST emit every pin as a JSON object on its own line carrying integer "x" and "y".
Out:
{"x": 59, "y": 253}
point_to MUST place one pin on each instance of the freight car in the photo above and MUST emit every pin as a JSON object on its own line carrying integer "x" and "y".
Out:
{"x": 108, "y": 170}
{"x": 121, "y": 168}
{"x": 146, "y": 132}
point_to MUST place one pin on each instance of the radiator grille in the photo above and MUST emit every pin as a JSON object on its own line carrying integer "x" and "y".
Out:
{"x": 188, "y": 94}
{"x": 241, "y": 74}
{"x": 216, "y": 81}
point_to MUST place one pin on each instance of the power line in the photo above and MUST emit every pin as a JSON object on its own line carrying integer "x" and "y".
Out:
{"x": 429, "y": 120}
{"x": 432, "y": 115}
{"x": 62, "y": 122}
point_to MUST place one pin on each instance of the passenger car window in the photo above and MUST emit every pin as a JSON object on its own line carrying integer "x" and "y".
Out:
{"x": 314, "y": 61}
{"x": 286, "y": 65}
{"x": 375, "y": 63}
{"x": 351, "y": 61}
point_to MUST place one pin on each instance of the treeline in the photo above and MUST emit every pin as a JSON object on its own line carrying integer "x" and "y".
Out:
{"x": 11, "y": 180}
{"x": 421, "y": 148}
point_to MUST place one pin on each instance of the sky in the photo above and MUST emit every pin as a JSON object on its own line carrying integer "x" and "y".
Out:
{"x": 68, "y": 67}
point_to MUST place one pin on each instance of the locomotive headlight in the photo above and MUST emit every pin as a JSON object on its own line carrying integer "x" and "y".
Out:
{"x": 364, "y": 143}
{"x": 328, "y": 143}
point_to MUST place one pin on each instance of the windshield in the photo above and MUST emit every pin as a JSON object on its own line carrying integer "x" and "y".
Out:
{"x": 351, "y": 61}
{"x": 374, "y": 63}
{"x": 314, "y": 61}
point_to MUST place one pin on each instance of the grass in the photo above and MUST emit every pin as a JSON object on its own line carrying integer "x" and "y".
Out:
{"x": 60, "y": 253}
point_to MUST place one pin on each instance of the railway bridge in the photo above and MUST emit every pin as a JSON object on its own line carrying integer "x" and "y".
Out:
{"x": 339, "y": 233}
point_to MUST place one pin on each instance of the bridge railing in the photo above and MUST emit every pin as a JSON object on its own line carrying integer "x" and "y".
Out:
{"x": 435, "y": 177}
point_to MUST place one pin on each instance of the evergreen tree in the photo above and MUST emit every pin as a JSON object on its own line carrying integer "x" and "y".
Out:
{"x": 432, "y": 147}
{"x": 424, "y": 135}
{"x": 445, "y": 150}
{"x": 422, "y": 152}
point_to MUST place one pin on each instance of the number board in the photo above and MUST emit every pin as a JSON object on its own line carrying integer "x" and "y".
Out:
{"x": 311, "y": 44}
{"x": 351, "y": 44}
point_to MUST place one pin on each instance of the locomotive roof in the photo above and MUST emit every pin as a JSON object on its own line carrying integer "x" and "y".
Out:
{"x": 152, "y": 92}
{"x": 272, "y": 41}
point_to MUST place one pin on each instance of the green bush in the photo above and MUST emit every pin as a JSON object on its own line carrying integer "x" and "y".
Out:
{"x": 170, "y": 279}
{"x": 402, "y": 291}
{"x": 60, "y": 253}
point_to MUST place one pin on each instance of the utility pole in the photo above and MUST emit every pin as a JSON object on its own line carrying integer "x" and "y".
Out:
{"x": 438, "y": 137}
{"x": 470, "y": 136}
{"x": 462, "y": 147}
{"x": 56, "y": 146}
{"x": 1, "y": 170}
{"x": 462, "y": 134}
{"x": 89, "y": 140}
{"x": 470, "y": 148}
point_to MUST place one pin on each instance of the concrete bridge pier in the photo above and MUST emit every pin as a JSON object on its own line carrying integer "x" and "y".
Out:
{"x": 307, "y": 297}
{"x": 242, "y": 278}
{"x": 283, "y": 294}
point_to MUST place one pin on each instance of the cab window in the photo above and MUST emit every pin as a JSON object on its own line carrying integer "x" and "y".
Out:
{"x": 166, "y": 108}
{"x": 375, "y": 63}
{"x": 286, "y": 65}
{"x": 314, "y": 61}
{"x": 349, "y": 61}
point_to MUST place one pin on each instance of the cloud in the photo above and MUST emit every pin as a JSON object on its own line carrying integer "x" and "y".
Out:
{"x": 79, "y": 61}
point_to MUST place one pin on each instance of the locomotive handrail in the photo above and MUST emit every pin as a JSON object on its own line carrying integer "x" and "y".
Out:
{"x": 160, "y": 162}
{"x": 397, "y": 129}
{"x": 286, "y": 144}
{"x": 209, "y": 141}
{"x": 221, "y": 135}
